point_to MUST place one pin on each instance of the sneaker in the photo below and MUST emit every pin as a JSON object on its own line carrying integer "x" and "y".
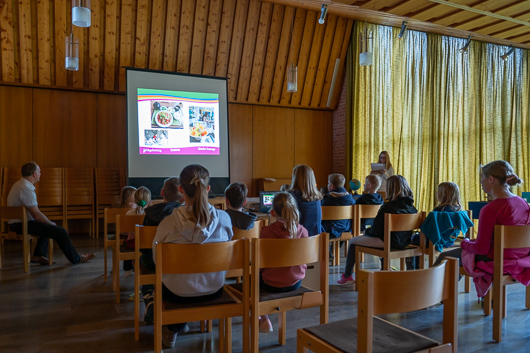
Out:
{"x": 87, "y": 257}
{"x": 169, "y": 338}
{"x": 346, "y": 280}
{"x": 149, "y": 317}
{"x": 129, "y": 273}
{"x": 265, "y": 326}
{"x": 43, "y": 260}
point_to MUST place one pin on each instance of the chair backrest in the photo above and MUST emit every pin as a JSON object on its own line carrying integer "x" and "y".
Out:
{"x": 362, "y": 212}
{"x": 10, "y": 177}
{"x": 144, "y": 236}
{"x": 412, "y": 290}
{"x": 249, "y": 234}
{"x": 111, "y": 213}
{"x": 50, "y": 188}
{"x": 509, "y": 237}
{"x": 109, "y": 182}
{"x": 401, "y": 223}
{"x": 13, "y": 212}
{"x": 127, "y": 223}
{"x": 288, "y": 252}
{"x": 337, "y": 213}
{"x": 79, "y": 185}
{"x": 202, "y": 258}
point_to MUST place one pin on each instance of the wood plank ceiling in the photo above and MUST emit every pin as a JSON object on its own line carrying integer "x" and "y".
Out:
{"x": 249, "y": 41}
{"x": 496, "y": 21}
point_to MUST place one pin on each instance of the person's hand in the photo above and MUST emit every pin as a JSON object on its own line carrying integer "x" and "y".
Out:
{"x": 53, "y": 223}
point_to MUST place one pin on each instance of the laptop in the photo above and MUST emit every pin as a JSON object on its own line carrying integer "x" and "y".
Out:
{"x": 265, "y": 200}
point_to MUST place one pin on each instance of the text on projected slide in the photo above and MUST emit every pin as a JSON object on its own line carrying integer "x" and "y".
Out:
{"x": 176, "y": 122}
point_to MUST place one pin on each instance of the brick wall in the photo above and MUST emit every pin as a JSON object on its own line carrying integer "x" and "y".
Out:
{"x": 339, "y": 134}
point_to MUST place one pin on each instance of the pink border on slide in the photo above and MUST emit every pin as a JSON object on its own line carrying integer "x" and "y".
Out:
{"x": 200, "y": 150}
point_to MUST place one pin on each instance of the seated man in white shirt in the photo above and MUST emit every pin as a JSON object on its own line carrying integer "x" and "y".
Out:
{"x": 23, "y": 194}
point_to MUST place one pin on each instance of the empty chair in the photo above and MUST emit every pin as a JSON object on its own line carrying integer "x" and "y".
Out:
{"x": 110, "y": 239}
{"x": 79, "y": 186}
{"x": 108, "y": 185}
{"x": 411, "y": 290}
{"x": 50, "y": 193}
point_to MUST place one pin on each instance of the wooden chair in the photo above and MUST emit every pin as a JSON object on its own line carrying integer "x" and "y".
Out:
{"x": 252, "y": 233}
{"x": 124, "y": 225}
{"x": 338, "y": 213}
{"x": 110, "y": 239}
{"x": 361, "y": 212}
{"x": 11, "y": 212}
{"x": 204, "y": 258}
{"x": 431, "y": 251}
{"x": 108, "y": 185}
{"x": 50, "y": 195}
{"x": 505, "y": 237}
{"x": 79, "y": 185}
{"x": 383, "y": 194}
{"x": 411, "y": 290}
{"x": 267, "y": 253}
{"x": 144, "y": 236}
{"x": 395, "y": 223}
{"x": 10, "y": 177}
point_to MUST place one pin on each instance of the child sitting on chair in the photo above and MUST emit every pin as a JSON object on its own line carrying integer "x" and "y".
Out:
{"x": 400, "y": 200}
{"x": 142, "y": 198}
{"x": 304, "y": 189}
{"x": 282, "y": 279}
{"x": 337, "y": 196}
{"x": 236, "y": 198}
{"x": 127, "y": 197}
{"x": 370, "y": 196}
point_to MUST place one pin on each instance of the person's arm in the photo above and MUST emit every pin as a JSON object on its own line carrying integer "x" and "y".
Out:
{"x": 39, "y": 216}
{"x": 486, "y": 226}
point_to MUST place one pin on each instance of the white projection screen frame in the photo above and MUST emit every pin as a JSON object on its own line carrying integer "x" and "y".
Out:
{"x": 190, "y": 113}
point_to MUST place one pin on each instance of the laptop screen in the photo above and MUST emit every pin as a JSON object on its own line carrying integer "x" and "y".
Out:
{"x": 265, "y": 200}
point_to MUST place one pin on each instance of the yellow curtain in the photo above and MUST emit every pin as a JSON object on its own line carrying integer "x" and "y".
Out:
{"x": 438, "y": 112}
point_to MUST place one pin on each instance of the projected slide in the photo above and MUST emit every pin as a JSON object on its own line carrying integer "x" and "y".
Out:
{"x": 178, "y": 123}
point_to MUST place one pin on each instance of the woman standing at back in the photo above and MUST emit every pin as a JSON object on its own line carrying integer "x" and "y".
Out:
{"x": 387, "y": 172}
{"x": 304, "y": 189}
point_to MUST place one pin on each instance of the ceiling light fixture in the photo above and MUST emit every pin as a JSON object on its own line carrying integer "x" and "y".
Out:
{"x": 81, "y": 13}
{"x": 403, "y": 28}
{"x": 292, "y": 70}
{"x": 71, "y": 60}
{"x": 365, "y": 47}
{"x": 464, "y": 49}
{"x": 508, "y": 53}
{"x": 323, "y": 12}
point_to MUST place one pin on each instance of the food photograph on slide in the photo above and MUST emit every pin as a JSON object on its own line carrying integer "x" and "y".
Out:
{"x": 202, "y": 125}
{"x": 156, "y": 137}
{"x": 167, "y": 115}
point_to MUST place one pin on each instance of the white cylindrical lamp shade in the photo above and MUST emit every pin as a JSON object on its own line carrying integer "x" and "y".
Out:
{"x": 71, "y": 61}
{"x": 365, "y": 59}
{"x": 81, "y": 13}
{"x": 292, "y": 78}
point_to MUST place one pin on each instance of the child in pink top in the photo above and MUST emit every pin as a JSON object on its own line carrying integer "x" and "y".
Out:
{"x": 282, "y": 279}
{"x": 476, "y": 256}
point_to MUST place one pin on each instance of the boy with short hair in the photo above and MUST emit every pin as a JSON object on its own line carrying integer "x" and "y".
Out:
{"x": 370, "y": 196}
{"x": 337, "y": 196}
{"x": 236, "y": 198}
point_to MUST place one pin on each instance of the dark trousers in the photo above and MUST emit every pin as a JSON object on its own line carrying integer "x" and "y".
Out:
{"x": 172, "y": 297}
{"x": 47, "y": 231}
{"x": 457, "y": 253}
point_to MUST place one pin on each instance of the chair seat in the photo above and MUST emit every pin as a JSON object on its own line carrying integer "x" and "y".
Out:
{"x": 111, "y": 236}
{"x": 265, "y": 296}
{"x": 124, "y": 248}
{"x": 387, "y": 336}
{"x": 145, "y": 271}
{"x": 224, "y": 299}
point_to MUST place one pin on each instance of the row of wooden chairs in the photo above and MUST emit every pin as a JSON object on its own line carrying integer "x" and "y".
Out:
{"x": 243, "y": 256}
{"x": 71, "y": 193}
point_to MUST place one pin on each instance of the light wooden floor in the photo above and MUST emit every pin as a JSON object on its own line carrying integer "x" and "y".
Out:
{"x": 67, "y": 308}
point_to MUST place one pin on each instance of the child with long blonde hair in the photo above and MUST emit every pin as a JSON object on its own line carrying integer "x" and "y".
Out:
{"x": 287, "y": 225}
{"x": 305, "y": 191}
{"x": 142, "y": 198}
{"x": 448, "y": 196}
{"x": 127, "y": 197}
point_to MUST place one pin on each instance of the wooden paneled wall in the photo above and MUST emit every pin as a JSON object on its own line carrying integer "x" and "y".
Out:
{"x": 249, "y": 41}
{"x": 61, "y": 128}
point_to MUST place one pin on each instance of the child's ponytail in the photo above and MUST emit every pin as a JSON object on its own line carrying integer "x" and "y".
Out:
{"x": 285, "y": 206}
{"x": 194, "y": 180}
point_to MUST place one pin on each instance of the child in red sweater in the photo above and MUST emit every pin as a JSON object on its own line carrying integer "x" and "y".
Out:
{"x": 282, "y": 279}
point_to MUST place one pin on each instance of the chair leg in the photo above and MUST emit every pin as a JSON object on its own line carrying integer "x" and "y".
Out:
{"x": 282, "y": 317}
{"x": 26, "y": 254}
{"x": 487, "y": 302}
{"x": 402, "y": 264}
{"x": 254, "y": 331}
{"x": 527, "y": 300}
{"x": 228, "y": 334}
{"x": 336, "y": 253}
{"x": 116, "y": 275}
{"x": 222, "y": 335}
{"x": 504, "y": 302}
{"x": 50, "y": 252}
{"x": 105, "y": 262}
{"x": 346, "y": 246}
{"x": 497, "y": 314}
{"x": 467, "y": 284}
{"x": 136, "y": 309}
